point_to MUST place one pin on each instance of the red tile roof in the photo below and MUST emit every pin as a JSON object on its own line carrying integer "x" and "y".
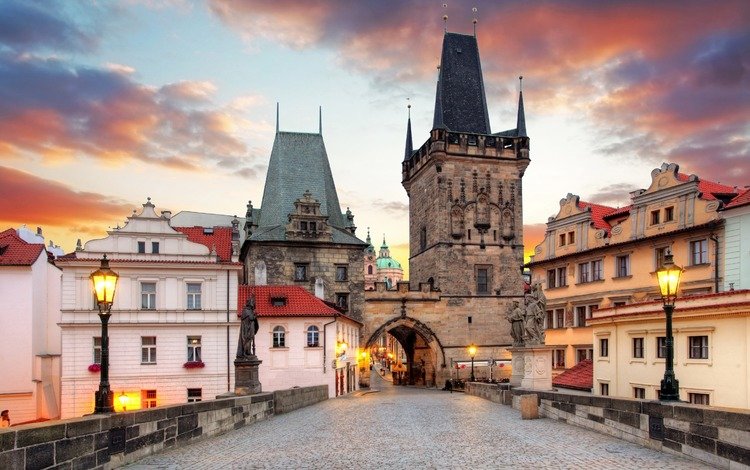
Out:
{"x": 14, "y": 251}
{"x": 598, "y": 213}
{"x": 298, "y": 303}
{"x": 220, "y": 238}
{"x": 742, "y": 200}
{"x": 579, "y": 377}
{"x": 708, "y": 188}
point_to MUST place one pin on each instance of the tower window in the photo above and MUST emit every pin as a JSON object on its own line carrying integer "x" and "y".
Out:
{"x": 423, "y": 239}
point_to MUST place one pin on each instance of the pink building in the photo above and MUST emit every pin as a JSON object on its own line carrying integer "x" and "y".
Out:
{"x": 382, "y": 268}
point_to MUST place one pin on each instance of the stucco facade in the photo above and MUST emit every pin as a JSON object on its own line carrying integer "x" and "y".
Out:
{"x": 711, "y": 345}
{"x": 737, "y": 246}
{"x": 173, "y": 329}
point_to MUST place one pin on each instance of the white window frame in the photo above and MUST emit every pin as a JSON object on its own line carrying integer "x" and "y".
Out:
{"x": 192, "y": 396}
{"x": 278, "y": 337}
{"x": 699, "y": 256}
{"x": 148, "y": 399}
{"x": 312, "y": 336}
{"x": 148, "y": 350}
{"x": 194, "y": 346}
{"x": 194, "y": 299}
{"x": 618, "y": 271}
{"x": 148, "y": 298}
{"x": 97, "y": 350}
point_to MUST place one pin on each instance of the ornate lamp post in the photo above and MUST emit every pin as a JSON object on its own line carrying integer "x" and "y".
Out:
{"x": 472, "y": 349}
{"x": 105, "y": 282}
{"x": 669, "y": 281}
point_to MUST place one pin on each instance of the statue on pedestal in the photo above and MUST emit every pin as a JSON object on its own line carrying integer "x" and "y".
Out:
{"x": 248, "y": 328}
{"x": 536, "y": 305}
{"x": 515, "y": 315}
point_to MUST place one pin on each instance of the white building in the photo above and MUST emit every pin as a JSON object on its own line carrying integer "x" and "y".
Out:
{"x": 737, "y": 243}
{"x": 303, "y": 341}
{"x": 30, "y": 345}
{"x": 173, "y": 330}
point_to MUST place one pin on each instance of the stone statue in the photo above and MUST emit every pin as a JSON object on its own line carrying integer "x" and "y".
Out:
{"x": 515, "y": 315}
{"x": 536, "y": 306}
{"x": 248, "y": 328}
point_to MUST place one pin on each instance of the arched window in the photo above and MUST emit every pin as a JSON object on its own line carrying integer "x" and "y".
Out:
{"x": 279, "y": 337}
{"x": 313, "y": 336}
{"x": 369, "y": 269}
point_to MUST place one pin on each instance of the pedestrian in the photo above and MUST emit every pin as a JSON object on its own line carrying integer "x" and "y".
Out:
{"x": 4, "y": 419}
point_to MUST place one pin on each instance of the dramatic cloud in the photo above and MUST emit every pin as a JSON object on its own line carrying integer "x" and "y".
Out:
{"x": 615, "y": 195}
{"x": 38, "y": 25}
{"x": 670, "y": 84}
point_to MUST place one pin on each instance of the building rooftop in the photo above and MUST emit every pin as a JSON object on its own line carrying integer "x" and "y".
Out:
{"x": 14, "y": 251}
{"x": 578, "y": 377}
{"x": 285, "y": 301}
{"x": 215, "y": 238}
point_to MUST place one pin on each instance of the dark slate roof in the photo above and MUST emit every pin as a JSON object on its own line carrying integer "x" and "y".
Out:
{"x": 460, "y": 101}
{"x": 521, "y": 121}
{"x": 409, "y": 149}
{"x": 299, "y": 163}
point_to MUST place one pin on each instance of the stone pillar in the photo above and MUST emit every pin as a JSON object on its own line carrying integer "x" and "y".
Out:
{"x": 246, "y": 381}
{"x": 536, "y": 361}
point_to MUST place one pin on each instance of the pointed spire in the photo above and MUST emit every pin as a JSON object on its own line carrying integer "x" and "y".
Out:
{"x": 521, "y": 122}
{"x": 368, "y": 240}
{"x": 320, "y": 120}
{"x": 277, "y": 117}
{"x": 409, "y": 145}
{"x": 474, "y": 10}
{"x": 437, "y": 121}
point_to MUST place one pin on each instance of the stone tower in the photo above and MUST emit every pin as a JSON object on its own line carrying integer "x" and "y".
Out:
{"x": 464, "y": 187}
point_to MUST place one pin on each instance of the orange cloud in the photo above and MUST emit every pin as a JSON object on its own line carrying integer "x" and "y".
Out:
{"x": 533, "y": 235}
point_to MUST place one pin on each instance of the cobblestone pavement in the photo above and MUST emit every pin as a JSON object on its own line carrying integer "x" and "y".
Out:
{"x": 400, "y": 427}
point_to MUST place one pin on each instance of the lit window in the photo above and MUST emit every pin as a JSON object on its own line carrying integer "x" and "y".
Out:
{"x": 604, "y": 347}
{"x": 622, "y": 264}
{"x": 639, "y": 392}
{"x": 194, "y": 296}
{"x": 699, "y": 252}
{"x": 194, "y": 394}
{"x": 194, "y": 349}
{"x": 300, "y": 272}
{"x": 342, "y": 273}
{"x": 698, "y": 347}
{"x": 313, "y": 336}
{"x": 148, "y": 349}
{"x": 148, "y": 398}
{"x": 148, "y": 295}
{"x": 97, "y": 349}
{"x": 638, "y": 348}
{"x": 699, "y": 398}
{"x": 279, "y": 337}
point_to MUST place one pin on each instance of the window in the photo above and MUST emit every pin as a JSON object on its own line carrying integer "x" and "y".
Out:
{"x": 313, "y": 226}
{"x": 699, "y": 252}
{"x": 604, "y": 347}
{"x": 303, "y": 225}
{"x": 468, "y": 234}
{"x": 148, "y": 349}
{"x": 154, "y": 247}
{"x": 583, "y": 272}
{"x": 194, "y": 394}
{"x": 596, "y": 270}
{"x": 483, "y": 281}
{"x": 148, "y": 295}
{"x": 571, "y": 238}
{"x": 639, "y": 392}
{"x": 559, "y": 317}
{"x": 423, "y": 239}
{"x": 148, "y": 398}
{"x": 369, "y": 269}
{"x": 342, "y": 301}
{"x": 279, "y": 337}
{"x": 193, "y": 296}
{"x": 549, "y": 322}
{"x": 97, "y": 349}
{"x": 622, "y": 266}
{"x": 341, "y": 273}
{"x": 661, "y": 347}
{"x": 313, "y": 336}
{"x": 638, "y": 348}
{"x": 300, "y": 272}
{"x": 604, "y": 389}
{"x": 698, "y": 347}
{"x": 194, "y": 349}
{"x": 668, "y": 214}
{"x": 278, "y": 301}
{"x": 557, "y": 277}
{"x": 584, "y": 353}
{"x": 699, "y": 398}
{"x": 619, "y": 303}
{"x": 558, "y": 359}
{"x": 659, "y": 254}
{"x": 562, "y": 239}
{"x": 141, "y": 247}
{"x": 580, "y": 318}
{"x": 655, "y": 217}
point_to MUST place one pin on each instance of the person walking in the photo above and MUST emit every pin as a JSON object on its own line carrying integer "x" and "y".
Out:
{"x": 4, "y": 419}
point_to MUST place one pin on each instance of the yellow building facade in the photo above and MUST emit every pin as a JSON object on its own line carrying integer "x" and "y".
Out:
{"x": 594, "y": 256}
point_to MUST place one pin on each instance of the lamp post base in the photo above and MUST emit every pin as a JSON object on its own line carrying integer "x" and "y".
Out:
{"x": 103, "y": 400}
{"x": 670, "y": 389}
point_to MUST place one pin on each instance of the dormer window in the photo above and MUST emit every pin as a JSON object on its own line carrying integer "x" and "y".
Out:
{"x": 278, "y": 301}
{"x": 208, "y": 230}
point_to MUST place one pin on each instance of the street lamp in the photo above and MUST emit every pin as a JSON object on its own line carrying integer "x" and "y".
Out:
{"x": 472, "y": 352}
{"x": 669, "y": 280}
{"x": 105, "y": 282}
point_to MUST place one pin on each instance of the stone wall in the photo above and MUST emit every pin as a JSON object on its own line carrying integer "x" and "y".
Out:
{"x": 719, "y": 437}
{"x": 294, "y": 398}
{"x": 110, "y": 441}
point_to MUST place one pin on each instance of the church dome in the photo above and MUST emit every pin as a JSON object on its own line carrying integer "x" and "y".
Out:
{"x": 387, "y": 262}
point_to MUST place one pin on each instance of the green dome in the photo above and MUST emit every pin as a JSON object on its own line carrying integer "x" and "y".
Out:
{"x": 387, "y": 262}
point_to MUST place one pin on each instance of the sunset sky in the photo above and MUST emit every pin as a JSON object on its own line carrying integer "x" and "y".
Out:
{"x": 103, "y": 104}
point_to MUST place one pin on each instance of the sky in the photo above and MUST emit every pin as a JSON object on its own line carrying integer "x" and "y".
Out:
{"x": 103, "y": 104}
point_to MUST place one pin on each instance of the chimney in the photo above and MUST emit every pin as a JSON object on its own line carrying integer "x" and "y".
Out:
{"x": 166, "y": 214}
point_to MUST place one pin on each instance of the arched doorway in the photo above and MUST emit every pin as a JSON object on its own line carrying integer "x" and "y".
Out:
{"x": 424, "y": 352}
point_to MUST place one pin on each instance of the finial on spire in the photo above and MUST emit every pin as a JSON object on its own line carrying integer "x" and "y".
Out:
{"x": 445, "y": 18}
{"x": 520, "y": 82}
{"x": 320, "y": 120}
{"x": 408, "y": 107}
{"x": 409, "y": 149}
{"x": 474, "y": 10}
{"x": 277, "y": 117}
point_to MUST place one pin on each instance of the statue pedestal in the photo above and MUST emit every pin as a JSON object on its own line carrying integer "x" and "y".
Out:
{"x": 246, "y": 380}
{"x": 532, "y": 367}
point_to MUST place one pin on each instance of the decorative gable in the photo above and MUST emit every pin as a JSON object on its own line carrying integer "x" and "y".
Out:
{"x": 306, "y": 222}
